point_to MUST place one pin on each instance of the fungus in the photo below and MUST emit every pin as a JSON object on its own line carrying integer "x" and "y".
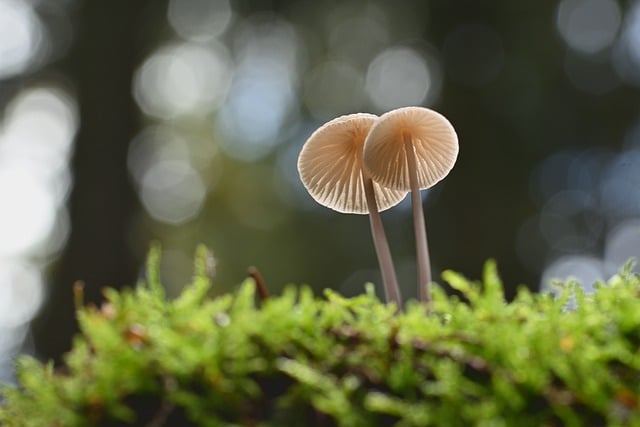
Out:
{"x": 330, "y": 167}
{"x": 409, "y": 149}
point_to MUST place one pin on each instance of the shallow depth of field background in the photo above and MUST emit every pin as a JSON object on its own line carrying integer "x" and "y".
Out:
{"x": 180, "y": 121}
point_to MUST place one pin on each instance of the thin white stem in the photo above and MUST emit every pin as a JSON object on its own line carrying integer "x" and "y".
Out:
{"x": 389, "y": 280}
{"x": 419, "y": 227}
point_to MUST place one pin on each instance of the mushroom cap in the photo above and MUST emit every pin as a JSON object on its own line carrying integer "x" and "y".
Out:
{"x": 330, "y": 166}
{"x": 434, "y": 141}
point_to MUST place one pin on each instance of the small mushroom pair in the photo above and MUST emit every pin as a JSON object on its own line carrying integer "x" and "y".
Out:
{"x": 361, "y": 163}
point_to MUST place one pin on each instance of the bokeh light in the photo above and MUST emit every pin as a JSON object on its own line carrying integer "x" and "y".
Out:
{"x": 21, "y": 295}
{"x": 155, "y": 144}
{"x": 21, "y": 292}
{"x": 587, "y": 199}
{"x": 172, "y": 191}
{"x": 20, "y": 35}
{"x": 583, "y": 269}
{"x": 620, "y": 182}
{"x": 199, "y": 20}
{"x": 35, "y": 145}
{"x": 262, "y": 96}
{"x": 588, "y": 26}
{"x": 28, "y": 212}
{"x": 402, "y": 76}
{"x": 36, "y": 136}
{"x": 183, "y": 79}
{"x": 626, "y": 55}
{"x": 171, "y": 186}
{"x": 623, "y": 244}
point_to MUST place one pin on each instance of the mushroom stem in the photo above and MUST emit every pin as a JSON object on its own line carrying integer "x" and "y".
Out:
{"x": 419, "y": 227}
{"x": 389, "y": 280}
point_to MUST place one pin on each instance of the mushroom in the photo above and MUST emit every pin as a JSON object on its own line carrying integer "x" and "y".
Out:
{"x": 330, "y": 167}
{"x": 409, "y": 149}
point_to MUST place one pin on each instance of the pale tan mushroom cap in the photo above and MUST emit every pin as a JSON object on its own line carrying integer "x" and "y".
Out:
{"x": 434, "y": 140}
{"x": 330, "y": 166}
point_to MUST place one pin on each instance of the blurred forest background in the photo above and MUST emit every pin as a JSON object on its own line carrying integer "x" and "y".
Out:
{"x": 124, "y": 122}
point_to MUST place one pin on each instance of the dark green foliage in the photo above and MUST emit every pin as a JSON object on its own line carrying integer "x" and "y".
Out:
{"x": 296, "y": 359}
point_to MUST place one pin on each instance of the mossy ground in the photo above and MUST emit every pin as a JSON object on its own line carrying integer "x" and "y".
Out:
{"x": 301, "y": 360}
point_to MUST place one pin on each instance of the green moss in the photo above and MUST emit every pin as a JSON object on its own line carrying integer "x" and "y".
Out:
{"x": 297, "y": 359}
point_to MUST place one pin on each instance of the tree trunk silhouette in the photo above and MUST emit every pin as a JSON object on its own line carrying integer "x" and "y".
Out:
{"x": 103, "y": 200}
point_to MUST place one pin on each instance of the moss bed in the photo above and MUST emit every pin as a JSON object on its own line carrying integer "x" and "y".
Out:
{"x": 297, "y": 359}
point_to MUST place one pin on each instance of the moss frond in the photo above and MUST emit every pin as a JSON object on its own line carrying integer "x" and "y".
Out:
{"x": 298, "y": 359}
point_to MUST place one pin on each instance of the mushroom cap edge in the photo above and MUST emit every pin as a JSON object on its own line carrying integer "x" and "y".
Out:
{"x": 330, "y": 166}
{"x": 435, "y": 144}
